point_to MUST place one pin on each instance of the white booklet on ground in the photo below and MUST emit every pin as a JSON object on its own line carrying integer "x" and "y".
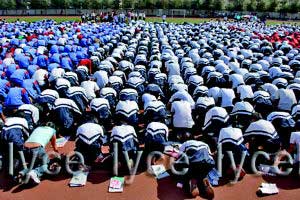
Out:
{"x": 159, "y": 171}
{"x": 268, "y": 189}
{"x": 79, "y": 179}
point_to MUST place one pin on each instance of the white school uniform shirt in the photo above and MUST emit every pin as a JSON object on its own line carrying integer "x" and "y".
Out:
{"x": 56, "y": 73}
{"x": 286, "y": 98}
{"x": 204, "y": 102}
{"x": 245, "y": 91}
{"x": 101, "y": 78}
{"x": 146, "y": 98}
{"x": 104, "y": 92}
{"x": 194, "y": 144}
{"x": 155, "y": 128}
{"x": 179, "y": 87}
{"x": 227, "y": 96}
{"x": 98, "y": 103}
{"x": 61, "y": 83}
{"x": 182, "y": 114}
{"x": 18, "y": 51}
{"x": 154, "y": 105}
{"x": 127, "y": 108}
{"x": 41, "y": 50}
{"x": 39, "y": 76}
{"x": 115, "y": 79}
{"x": 275, "y": 72}
{"x": 50, "y": 93}
{"x": 236, "y": 80}
{"x": 123, "y": 133}
{"x": 16, "y": 122}
{"x": 173, "y": 68}
{"x": 74, "y": 90}
{"x": 32, "y": 110}
{"x": 8, "y": 61}
{"x": 183, "y": 95}
{"x": 89, "y": 132}
{"x": 271, "y": 89}
{"x": 90, "y": 87}
{"x": 214, "y": 92}
{"x": 71, "y": 75}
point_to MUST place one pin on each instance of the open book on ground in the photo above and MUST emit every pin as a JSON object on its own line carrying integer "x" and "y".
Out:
{"x": 159, "y": 171}
{"x": 268, "y": 189}
{"x": 79, "y": 179}
{"x": 116, "y": 184}
{"x": 60, "y": 142}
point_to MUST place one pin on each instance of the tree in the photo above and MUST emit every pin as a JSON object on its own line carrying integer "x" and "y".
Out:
{"x": 128, "y": 3}
{"x": 230, "y": 6}
{"x": 40, "y": 4}
{"x": 94, "y": 4}
{"x": 7, "y": 4}
{"x": 262, "y": 5}
{"x": 177, "y": 4}
{"x": 273, "y": 6}
{"x": 218, "y": 4}
{"x": 249, "y": 5}
{"x": 294, "y": 6}
{"x": 75, "y": 3}
{"x": 204, "y": 4}
{"x": 151, "y": 4}
{"x": 108, "y": 4}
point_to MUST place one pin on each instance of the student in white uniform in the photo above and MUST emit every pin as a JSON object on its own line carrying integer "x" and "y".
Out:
{"x": 127, "y": 111}
{"x": 201, "y": 163}
{"x": 182, "y": 118}
{"x": 156, "y": 135}
{"x": 227, "y": 98}
{"x": 89, "y": 139}
{"x": 101, "y": 109}
{"x": 245, "y": 93}
{"x": 101, "y": 77}
{"x": 91, "y": 89}
{"x": 127, "y": 140}
{"x": 286, "y": 99}
{"x": 62, "y": 85}
{"x": 41, "y": 76}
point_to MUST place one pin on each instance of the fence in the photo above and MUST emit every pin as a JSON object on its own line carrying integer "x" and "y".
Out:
{"x": 149, "y": 12}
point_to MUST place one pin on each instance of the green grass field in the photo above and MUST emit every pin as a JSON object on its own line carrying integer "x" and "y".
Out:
{"x": 149, "y": 19}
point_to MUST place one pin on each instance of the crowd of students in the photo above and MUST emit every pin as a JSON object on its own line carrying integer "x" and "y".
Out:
{"x": 200, "y": 85}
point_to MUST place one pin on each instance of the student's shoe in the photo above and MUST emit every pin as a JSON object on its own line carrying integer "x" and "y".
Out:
{"x": 32, "y": 174}
{"x": 207, "y": 191}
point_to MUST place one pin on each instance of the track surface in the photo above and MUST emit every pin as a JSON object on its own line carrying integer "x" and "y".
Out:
{"x": 144, "y": 187}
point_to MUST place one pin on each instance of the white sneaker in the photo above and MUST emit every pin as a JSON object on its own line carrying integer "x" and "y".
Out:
{"x": 32, "y": 174}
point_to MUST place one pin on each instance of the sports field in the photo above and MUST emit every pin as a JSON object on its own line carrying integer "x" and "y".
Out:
{"x": 149, "y": 19}
{"x": 145, "y": 186}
